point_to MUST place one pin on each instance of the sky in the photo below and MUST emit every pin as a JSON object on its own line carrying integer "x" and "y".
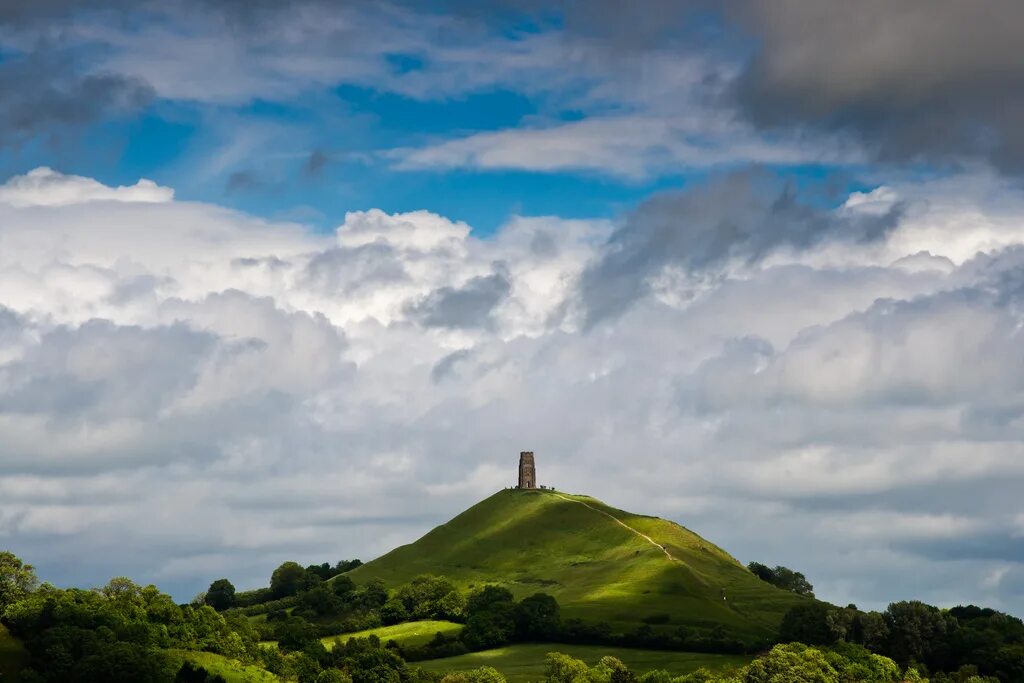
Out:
{"x": 298, "y": 281}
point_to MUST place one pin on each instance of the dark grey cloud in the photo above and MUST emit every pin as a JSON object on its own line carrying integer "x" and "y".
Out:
{"x": 468, "y": 306}
{"x": 929, "y": 80}
{"x": 244, "y": 181}
{"x": 316, "y": 163}
{"x": 41, "y": 95}
{"x": 742, "y": 216}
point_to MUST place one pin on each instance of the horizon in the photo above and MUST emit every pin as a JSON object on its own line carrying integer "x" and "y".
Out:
{"x": 290, "y": 281}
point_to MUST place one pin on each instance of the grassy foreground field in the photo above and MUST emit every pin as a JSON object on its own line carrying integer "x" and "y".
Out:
{"x": 525, "y": 663}
{"x": 13, "y": 656}
{"x": 232, "y": 671}
{"x": 600, "y": 563}
{"x": 409, "y": 634}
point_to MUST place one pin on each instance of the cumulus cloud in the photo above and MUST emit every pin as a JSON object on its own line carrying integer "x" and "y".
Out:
{"x": 836, "y": 378}
{"x": 46, "y": 187}
{"x": 738, "y": 219}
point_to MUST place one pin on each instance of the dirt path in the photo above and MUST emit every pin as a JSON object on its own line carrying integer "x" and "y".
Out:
{"x": 621, "y": 523}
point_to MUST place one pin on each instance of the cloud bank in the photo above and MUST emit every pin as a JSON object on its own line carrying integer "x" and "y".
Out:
{"x": 188, "y": 392}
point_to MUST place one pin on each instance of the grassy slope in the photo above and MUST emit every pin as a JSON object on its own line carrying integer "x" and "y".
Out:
{"x": 409, "y": 634}
{"x": 534, "y": 541}
{"x": 232, "y": 670}
{"x": 13, "y": 657}
{"x": 523, "y": 663}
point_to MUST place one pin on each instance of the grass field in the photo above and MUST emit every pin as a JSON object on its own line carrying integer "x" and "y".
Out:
{"x": 409, "y": 634}
{"x": 232, "y": 670}
{"x": 602, "y": 564}
{"x": 525, "y": 663}
{"x": 13, "y": 656}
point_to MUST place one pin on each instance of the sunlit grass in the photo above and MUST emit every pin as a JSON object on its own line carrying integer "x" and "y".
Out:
{"x": 409, "y": 634}
{"x": 523, "y": 663}
{"x": 535, "y": 541}
{"x": 232, "y": 670}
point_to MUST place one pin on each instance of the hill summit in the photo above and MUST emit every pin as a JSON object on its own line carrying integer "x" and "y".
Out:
{"x": 602, "y": 564}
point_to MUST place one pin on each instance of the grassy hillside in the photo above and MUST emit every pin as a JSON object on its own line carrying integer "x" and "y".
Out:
{"x": 12, "y": 656}
{"x": 524, "y": 663}
{"x": 602, "y": 564}
{"x": 233, "y": 671}
{"x": 409, "y": 634}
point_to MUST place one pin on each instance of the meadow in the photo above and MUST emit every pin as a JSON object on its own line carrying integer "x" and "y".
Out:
{"x": 525, "y": 663}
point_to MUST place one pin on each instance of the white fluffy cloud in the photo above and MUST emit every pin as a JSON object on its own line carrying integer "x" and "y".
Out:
{"x": 46, "y": 187}
{"x": 188, "y": 392}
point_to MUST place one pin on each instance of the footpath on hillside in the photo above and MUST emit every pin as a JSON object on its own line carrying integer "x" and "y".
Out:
{"x": 620, "y": 522}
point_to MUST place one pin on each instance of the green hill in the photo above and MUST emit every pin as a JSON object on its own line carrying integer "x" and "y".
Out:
{"x": 600, "y": 563}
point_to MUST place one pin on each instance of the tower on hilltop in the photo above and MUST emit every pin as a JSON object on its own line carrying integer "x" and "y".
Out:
{"x": 527, "y": 471}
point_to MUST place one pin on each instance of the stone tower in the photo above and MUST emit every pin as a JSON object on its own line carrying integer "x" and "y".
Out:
{"x": 527, "y": 471}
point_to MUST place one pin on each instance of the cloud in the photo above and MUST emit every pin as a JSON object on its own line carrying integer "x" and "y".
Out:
{"x": 243, "y": 181}
{"x": 46, "y": 187}
{"x": 778, "y": 375}
{"x": 738, "y": 219}
{"x": 913, "y": 81}
{"x": 467, "y": 306}
{"x": 633, "y": 147}
{"x": 42, "y": 94}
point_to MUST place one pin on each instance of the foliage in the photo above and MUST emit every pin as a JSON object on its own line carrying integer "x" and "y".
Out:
{"x": 17, "y": 579}
{"x": 525, "y": 663}
{"x": 982, "y": 642}
{"x": 193, "y": 673}
{"x": 120, "y": 632}
{"x": 289, "y": 579}
{"x": 484, "y": 674}
{"x": 783, "y": 577}
{"x": 491, "y": 618}
{"x": 422, "y": 597}
{"x": 220, "y": 595}
{"x": 537, "y": 618}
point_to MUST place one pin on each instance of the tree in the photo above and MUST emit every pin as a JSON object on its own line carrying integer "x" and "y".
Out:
{"x": 295, "y": 633}
{"x": 288, "y": 579}
{"x": 783, "y": 577}
{"x": 17, "y": 579}
{"x": 371, "y": 595}
{"x": 762, "y": 571}
{"x": 793, "y": 662}
{"x": 483, "y": 599}
{"x": 561, "y": 668}
{"x": 422, "y": 595}
{"x": 807, "y": 624}
{"x": 333, "y": 676}
{"x": 220, "y": 595}
{"x": 193, "y": 673}
{"x": 484, "y": 674}
{"x": 789, "y": 580}
{"x": 342, "y": 586}
{"x": 917, "y": 632}
{"x": 536, "y": 617}
{"x": 393, "y": 612}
